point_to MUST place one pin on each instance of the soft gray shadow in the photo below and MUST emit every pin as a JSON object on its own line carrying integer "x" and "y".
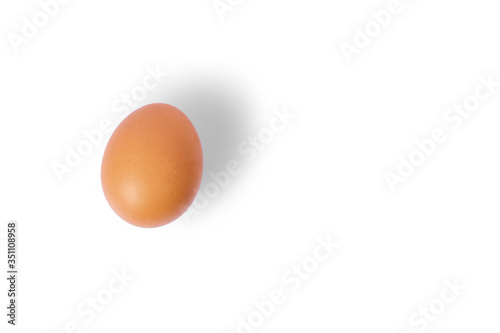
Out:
{"x": 216, "y": 106}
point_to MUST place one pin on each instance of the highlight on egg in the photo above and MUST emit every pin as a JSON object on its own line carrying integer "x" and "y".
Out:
{"x": 152, "y": 167}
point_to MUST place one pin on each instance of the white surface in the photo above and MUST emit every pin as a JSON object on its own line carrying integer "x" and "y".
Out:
{"x": 323, "y": 176}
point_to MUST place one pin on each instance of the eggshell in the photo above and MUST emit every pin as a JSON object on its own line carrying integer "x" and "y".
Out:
{"x": 152, "y": 166}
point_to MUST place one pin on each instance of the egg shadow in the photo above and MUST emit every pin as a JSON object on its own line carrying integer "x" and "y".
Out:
{"x": 218, "y": 109}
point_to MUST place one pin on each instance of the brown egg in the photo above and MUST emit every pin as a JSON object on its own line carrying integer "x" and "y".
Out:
{"x": 152, "y": 166}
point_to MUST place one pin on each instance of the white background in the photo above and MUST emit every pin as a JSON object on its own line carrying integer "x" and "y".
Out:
{"x": 323, "y": 176}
